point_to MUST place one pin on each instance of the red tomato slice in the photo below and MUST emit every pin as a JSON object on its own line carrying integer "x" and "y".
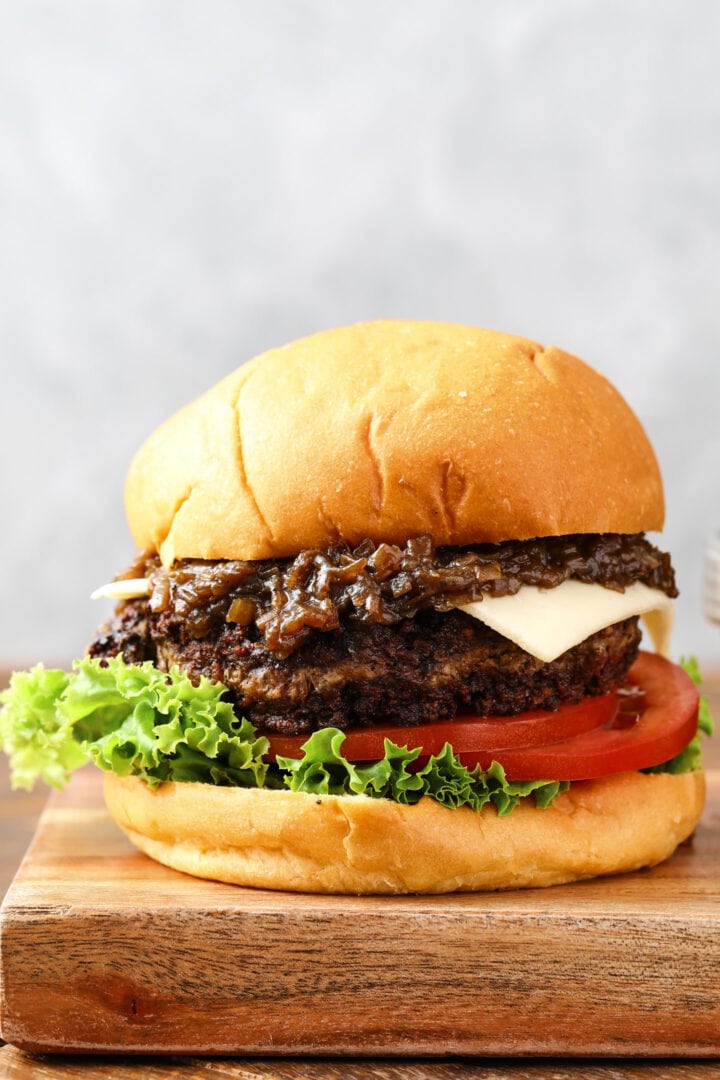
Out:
{"x": 651, "y": 723}
{"x": 662, "y": 726}
{"x": 468, "y": 733}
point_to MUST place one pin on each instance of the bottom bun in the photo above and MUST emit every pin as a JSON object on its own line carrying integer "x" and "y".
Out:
{"x": 356, "y": 844}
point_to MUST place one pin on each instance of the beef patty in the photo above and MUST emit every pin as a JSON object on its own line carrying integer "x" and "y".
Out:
{"x": 434, "y": 666}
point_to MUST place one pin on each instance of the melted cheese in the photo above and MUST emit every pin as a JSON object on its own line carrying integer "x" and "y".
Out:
{"x": 548, "y": 622}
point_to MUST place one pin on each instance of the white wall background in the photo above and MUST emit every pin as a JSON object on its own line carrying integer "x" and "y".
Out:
{"x": 186, "y": 183}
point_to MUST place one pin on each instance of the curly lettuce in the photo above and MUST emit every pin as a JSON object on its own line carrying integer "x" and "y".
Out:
{"x": 128, "y": 719}
{"x": 324, "y": 770}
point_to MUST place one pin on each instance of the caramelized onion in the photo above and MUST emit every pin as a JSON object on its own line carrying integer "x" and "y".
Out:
{"x": 288, "y": 599}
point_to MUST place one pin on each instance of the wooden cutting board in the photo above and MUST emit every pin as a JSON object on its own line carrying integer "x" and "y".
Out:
{"x": 104, "y": 950}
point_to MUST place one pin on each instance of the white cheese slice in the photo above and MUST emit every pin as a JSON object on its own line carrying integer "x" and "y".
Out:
{"x": 125, "y": 589}
{"x": 547, "y": 622}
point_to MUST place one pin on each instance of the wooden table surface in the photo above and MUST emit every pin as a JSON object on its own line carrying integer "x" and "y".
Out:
{"x": 18, "y": 815}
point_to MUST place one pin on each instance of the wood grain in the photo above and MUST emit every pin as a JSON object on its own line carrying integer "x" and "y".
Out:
{"x": 16, "y": 1065}
{"x": 19, "y": 813}
{"x": 104, "y": 950}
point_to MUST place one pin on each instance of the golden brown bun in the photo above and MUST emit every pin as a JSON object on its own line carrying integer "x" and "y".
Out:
{"x": 390, "y": 430}
{"x": 355, "y": 844}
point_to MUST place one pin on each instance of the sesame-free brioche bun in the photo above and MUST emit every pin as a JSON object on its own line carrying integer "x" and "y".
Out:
{"x": 389, "y": 430}
{"x": 355, "y": 844}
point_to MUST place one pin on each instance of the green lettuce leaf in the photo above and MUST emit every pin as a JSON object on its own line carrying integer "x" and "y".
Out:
{"x": 39, "y": 741}
{"x": 127, "y": 719}
{"x": 323, "y": 770}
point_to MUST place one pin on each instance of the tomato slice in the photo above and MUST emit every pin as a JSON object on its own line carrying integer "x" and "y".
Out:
{"x": 471, "y": 734}
{"x": 651, "y": 722}
{"x": 663, "y": 724}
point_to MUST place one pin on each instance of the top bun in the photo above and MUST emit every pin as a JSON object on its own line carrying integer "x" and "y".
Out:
{"x": 389, "y": 430}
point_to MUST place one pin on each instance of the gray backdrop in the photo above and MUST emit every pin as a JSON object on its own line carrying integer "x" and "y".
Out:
{"x": 183, "y": 184}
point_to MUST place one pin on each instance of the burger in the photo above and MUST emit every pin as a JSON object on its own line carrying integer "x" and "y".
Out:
{"x": 383, "y": 631}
